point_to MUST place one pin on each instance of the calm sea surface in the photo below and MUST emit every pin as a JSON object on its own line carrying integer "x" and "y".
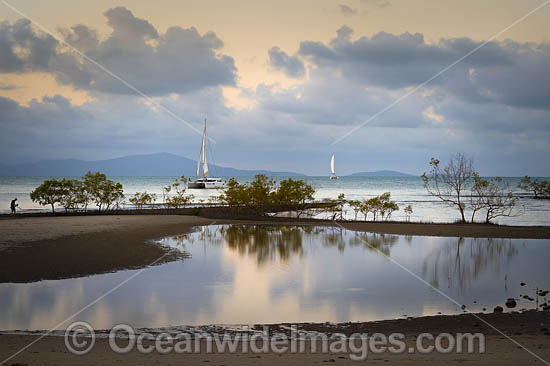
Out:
{"x": 245, "y": 274}
{"x": 407, "y": 190}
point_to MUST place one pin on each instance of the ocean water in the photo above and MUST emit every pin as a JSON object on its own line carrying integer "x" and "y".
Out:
{"x": 246, "y": 274}
{"x": 404, "y": 190}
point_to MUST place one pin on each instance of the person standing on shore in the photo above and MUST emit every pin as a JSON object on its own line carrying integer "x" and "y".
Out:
{"x": 13, "y": 205}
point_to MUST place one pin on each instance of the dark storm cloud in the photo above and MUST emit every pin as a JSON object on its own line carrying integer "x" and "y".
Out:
{"x": 9, "y": 61}
{"x": 106, "y": 126}
{"x": 50, "y": 112}
{"x": 178, "y": 61}
{"x": 23, "y": 50}
{"x": 126, "y": 26}
{"x": 471, "y": 108}
{"x": 511, "y": 73}
{"x": 292, "y": 66}
{"x": 80, "y": 37}
{"x": 464, "y": 110}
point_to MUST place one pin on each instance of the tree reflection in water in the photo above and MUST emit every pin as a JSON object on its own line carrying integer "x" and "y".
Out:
{"x": 334, "y": 237}
{"x": 272, "y": 242}
{"x": 460, "y": 261}
{"x": 266, "y": 242}
{"x": 205, "y": 235}
{"x": 375, "y": 242}
{"x": 456, "y": 263}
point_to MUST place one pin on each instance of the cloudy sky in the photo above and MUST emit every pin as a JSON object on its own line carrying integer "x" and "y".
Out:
{"x": 279, "y": 82}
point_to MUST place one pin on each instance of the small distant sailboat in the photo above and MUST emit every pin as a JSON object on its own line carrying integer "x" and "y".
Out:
{"x": 205, "y": 181}
{"x": 333, "y": 175}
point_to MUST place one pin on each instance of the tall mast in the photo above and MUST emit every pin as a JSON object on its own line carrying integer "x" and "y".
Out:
{"x": 205, "y": 170}
{"x": 200, "y": 155}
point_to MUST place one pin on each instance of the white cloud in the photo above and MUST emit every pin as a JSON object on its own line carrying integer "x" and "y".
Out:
{"x": 432, "y": 115}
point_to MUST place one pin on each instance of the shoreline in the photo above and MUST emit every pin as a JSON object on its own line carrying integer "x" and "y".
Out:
{"x": 164, "y": 218}
{"x": 526, "y": 322}
{"x": 413, "y": 228}
{"x": 51, "y": 248}
{"x": 528, "y": 329}
{"x": 35, "y": 249}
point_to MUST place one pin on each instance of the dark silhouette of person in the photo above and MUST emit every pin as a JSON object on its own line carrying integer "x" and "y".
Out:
{"x": 13, "y": 205}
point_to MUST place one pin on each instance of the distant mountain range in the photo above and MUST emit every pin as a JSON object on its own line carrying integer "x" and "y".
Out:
{"x": 157, "y": 165}
{"x": 381, "y": 173}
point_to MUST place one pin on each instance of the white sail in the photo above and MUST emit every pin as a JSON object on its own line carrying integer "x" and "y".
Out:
{"x": 203, "y": 181}
{"x": 199, "y": 163}
{"x": 201, "y": 151}
{"x": 202, "y": 156}
{"x": 205, "y": 170}
{"x": 332, "y": 164}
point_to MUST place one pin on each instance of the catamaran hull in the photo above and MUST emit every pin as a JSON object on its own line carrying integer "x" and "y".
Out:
{"x": 209, "y": 183}
{"x": 195, "y": 185}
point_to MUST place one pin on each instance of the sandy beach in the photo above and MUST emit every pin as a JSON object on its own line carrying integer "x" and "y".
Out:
{"x": 34, "y": 249}
{"x": 523, "y": 333}
{"x": 29, "y": 229}
{"x": 108, "y": 243}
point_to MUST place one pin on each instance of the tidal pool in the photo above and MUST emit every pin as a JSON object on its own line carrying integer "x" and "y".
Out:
{"x": 245, "y": 274}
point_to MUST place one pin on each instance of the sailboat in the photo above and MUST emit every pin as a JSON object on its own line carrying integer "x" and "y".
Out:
{"x": 204, "y": 182}
{"x": 333, "y": 176}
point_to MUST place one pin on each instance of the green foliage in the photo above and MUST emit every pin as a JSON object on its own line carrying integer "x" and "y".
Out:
{"x": 494, "y": 197}
{"x": 75, "y": 194}
{"x": 540, "y": 189}
{"x": 262, "y": 193}
{"x": 370, "y": 206}
{"x": 335, "y": 207}
{"x": 387, "y": 206}
{"x": 141, "y": 199}
{"x": 380, "y": 206}
{"x": 235, "y": 194}
{"x": 104, "y": 192}
{"x": 174, "y": 195}
{"x": 50, "y": 192}
{"x": 294, "y": 193}
{"x": 356, "y": 206}
{"x": 408, "y": 212}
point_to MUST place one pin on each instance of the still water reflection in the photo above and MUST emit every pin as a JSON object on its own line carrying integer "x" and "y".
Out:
{"x": 264, "y": 274}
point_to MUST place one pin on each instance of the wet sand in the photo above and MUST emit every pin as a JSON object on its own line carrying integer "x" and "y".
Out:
{"x": 16, "y": 231}
{"x": 529, "y": 329}
{"x": 109, "y": 243}
{"x": 28, "y": 229}
{"x": 34, "y": 249}
{"x": 453, "y": 230}
{"x": 39, "y": 248}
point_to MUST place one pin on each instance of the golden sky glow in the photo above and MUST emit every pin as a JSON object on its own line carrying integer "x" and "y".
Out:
{"x": 37, "y": 85}
{"x": 250, "y": 28}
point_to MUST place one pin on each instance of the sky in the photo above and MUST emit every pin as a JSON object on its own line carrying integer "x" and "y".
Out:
{"x": 283, "y": 85}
